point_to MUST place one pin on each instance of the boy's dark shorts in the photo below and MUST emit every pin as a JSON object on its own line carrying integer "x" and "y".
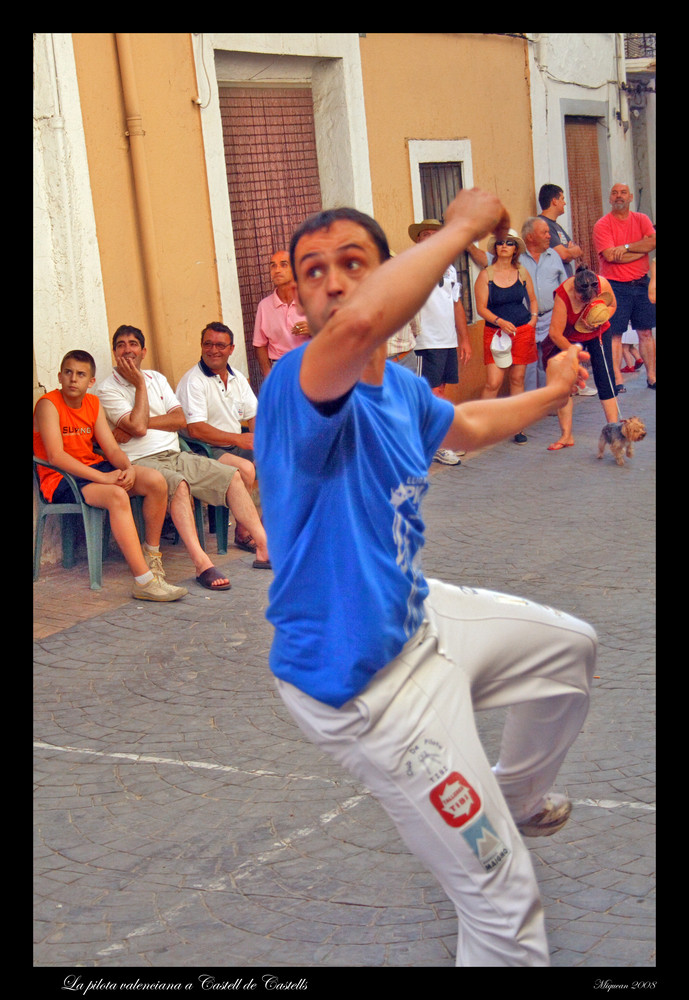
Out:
{"x": 63, "y": 493}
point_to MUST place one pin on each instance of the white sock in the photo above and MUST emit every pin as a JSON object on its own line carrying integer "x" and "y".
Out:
{"x": 143, "y": 580}
{"x": 151, "y": 548}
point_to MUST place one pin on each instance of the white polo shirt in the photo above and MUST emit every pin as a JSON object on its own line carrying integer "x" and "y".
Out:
{"x": 205, "y": 398}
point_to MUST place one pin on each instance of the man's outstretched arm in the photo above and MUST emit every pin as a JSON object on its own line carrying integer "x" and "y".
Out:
{"x": 390, "y": 295}
{"x": 483, "y": 422}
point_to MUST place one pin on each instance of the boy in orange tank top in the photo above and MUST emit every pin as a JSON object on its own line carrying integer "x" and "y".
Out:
{"x": 67, "y": 423}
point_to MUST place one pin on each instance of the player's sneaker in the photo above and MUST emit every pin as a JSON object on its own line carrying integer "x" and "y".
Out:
{"x": 550, "y": 818}
{"x": 446, "y": 457}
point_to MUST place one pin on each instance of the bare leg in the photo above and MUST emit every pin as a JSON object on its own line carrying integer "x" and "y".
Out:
{"x": 182, "y": 515}
{"x": 242, "y": 506}
{"x": 617, "y": 357}
{"x": 247, "y": 469}
{"x": 494, "y": 377}
{"x": 565, "y": 416}
{"x": 647, "y": 348}
{"x": 116, "y": 501}
{"x": 517, "y": 376}
{"x": 152, "y": 487}
{"x": 611, "y": 410}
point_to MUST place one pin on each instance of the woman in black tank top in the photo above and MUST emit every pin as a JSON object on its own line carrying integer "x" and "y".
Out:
{"x": 506, "y": 300}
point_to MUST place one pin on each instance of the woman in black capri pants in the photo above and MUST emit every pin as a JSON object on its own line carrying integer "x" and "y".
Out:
{"x": 583, "y": 306}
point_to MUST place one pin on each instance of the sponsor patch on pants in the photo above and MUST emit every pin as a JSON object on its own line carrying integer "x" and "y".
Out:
{"x": 455, "y": 800}
{"x": 486, "y": 844}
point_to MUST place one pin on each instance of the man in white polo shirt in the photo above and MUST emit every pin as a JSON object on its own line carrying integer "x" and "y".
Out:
{"x": 280, "y": 324}
{"x": 216, "y": 399}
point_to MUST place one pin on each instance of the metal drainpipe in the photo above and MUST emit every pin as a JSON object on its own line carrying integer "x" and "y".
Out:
{"x": 142, "y": 192}
{"x": 621, "y": 78}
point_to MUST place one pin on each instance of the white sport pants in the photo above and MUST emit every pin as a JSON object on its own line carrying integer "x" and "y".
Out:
{"x": 410, "y": 737}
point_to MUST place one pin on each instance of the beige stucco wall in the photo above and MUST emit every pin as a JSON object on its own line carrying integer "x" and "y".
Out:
{"x": 448, "y": 86}
{"x": 184, "y": 265}
{"x": 416, "y": 86}
{"x": 470, "y": 86}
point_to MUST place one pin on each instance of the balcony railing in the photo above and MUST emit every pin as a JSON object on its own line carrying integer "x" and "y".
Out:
{"x": 639, "y": 45}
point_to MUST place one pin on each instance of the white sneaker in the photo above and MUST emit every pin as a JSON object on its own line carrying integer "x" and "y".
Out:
{"x": 587, "y": 390}
{"x": 154, "y": 561}
{"x": 550, "y": 818}
{"x": 446, "y": 457}
{"x": 157, "y": 589}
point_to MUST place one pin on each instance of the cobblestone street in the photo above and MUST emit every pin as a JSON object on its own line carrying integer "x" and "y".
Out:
{"x": 182, "y": 821}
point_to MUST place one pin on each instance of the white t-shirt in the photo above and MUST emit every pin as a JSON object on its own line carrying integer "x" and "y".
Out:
{"x": 117, "y": 398}
{"x": 205, "y": 398}
{"x": 437, "y": 315}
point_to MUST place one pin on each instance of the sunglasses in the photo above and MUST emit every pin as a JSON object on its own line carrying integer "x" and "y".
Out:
{"x": 505, "y": 243}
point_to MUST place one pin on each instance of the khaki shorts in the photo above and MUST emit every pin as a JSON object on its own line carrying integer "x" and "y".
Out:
{"x": 207, "y": 479}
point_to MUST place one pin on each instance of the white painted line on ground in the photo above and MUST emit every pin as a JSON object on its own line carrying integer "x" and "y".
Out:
{"x": 247, "y": 868}
{"x": 143, "y": 758}
{"x": 146, "y": 758}
{"x": 614, "y": 804}
{"x": 250, "y": 867}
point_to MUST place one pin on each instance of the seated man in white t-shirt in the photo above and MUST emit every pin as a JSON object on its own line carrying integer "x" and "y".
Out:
{"x": 146, "y": 417}
{"x": 443, "y": 325}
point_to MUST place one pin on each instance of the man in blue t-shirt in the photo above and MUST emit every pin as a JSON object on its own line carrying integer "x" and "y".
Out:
{"x": 551, "y": 198}
{"x": 378, "y": 665}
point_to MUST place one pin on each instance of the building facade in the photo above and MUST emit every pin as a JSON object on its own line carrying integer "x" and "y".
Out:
{"x": 168, "y": 167}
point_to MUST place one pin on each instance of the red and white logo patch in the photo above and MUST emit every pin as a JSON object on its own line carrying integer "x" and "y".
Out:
{"x": 455, "y": 800}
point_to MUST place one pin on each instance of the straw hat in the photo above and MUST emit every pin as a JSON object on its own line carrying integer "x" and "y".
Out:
{"x": 417, "y": 228}
{"x": 512, "y": 234}
{"x": 595, "y": 314}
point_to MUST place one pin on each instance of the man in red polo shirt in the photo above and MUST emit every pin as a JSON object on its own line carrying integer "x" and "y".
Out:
{"x": 623, "y": 241}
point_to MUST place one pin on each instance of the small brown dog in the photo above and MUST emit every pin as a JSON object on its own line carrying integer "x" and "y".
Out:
{"x": 621, "y": 436}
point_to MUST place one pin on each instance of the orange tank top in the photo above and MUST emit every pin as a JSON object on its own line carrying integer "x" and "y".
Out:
{"x": 77, "y": 428}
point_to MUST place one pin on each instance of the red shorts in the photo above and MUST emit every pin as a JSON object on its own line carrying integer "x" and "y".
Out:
{"x": 523, "y": 345}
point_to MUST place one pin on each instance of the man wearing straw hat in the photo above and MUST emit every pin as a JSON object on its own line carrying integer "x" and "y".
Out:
{"x": 443, "y": 325}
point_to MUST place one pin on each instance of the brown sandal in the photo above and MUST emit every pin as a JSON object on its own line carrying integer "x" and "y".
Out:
{"x": 247, "y": 543}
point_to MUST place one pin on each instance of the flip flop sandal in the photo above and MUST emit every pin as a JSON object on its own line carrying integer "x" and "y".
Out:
{"x": 558, "y": 446}
{"x": 262, "y": 564}
{"x": 206, "y": 579}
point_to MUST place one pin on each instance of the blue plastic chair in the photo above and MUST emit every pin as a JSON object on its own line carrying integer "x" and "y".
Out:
{"x": 218, "y": 517}
{"x": 96, "y": 526}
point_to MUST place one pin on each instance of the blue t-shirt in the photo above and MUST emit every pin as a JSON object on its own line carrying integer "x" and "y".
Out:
{"x": 341, "y": 498}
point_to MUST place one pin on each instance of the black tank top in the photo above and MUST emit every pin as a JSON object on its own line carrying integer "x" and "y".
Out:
{"x": 508, "y": 303}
